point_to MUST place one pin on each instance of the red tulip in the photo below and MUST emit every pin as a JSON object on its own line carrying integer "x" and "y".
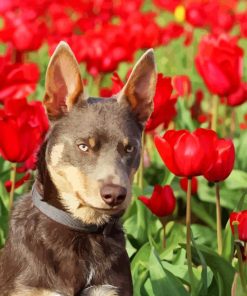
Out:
{"x": 184, "y": 185}
{"x": 16, "y": 80}
{"x": 22, "y": 126}
{"x": 187, "y": 154}
{"x": 162, "y": 202}
{"x": 164, "y": 104}
{"x": 239, "y": 97}
{"x": 182, "y": 85}
{"x": 224, "y": 162}
{"x": 241, "y": 218}
{"x": 117, "y": 85}
{"x": 220, "y": 63}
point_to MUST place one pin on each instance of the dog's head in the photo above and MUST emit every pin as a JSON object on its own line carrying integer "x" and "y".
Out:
{"x": 94, "y": 145}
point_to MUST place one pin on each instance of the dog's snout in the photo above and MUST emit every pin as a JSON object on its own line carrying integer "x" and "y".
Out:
{"x": 113, "y": 194}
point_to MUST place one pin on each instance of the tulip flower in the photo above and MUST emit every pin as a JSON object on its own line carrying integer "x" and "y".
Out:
{"x": 164, "y": 104}
{"x": 23, "y": 126}
{"x": 219, "y": 171}
{"x": 241, "y": 218}
{"x": 238, "y": 222}
{"x": 182, "y": 85}
{"x": 162, "y": 202}
{"x": 187, "y": 154}
{"x": 183, "y": 182}
{"x": 239, "y": 97}
{"x": 224, "y": 162}
{"x": 220, "y": 63}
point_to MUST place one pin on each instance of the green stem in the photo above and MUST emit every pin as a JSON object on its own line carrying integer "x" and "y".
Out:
{"x": 239, "y": 255}
{"x": 163, "y": 221}
{"x": 218, "y": 218}
{"x": 188, "y": 236}
{"x": 233, "y": 123}
{"x": 214, "y": 120}
{"x": 12, "y": 189}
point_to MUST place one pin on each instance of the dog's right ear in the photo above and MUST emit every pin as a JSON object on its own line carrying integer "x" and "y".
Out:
{"x": 63, "y": 83}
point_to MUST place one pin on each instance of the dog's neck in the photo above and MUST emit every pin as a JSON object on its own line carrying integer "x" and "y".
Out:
{"x": 66, "y": 219}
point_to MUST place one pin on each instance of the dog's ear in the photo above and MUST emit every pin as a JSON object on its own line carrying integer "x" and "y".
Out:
{"x": 63, "y": 83}
{"x": 139, "y": 90}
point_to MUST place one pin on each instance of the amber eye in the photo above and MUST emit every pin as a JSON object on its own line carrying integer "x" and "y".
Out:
{"x": 83, "y": 147}
{"x": 129, "y": 149}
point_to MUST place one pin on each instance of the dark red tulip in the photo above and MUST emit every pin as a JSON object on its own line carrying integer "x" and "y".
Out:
{"x": 162, "y": 202}
{"x": 239, "y": 97}
{"x": 184, "y": 185}
{"x": 23, "y": 126}
{"x": 164, "y": 104}
{"x": 241, "y": 218}
{"x": 224, "y": 162}
{"x": 220, "y": 63}
{"x": 187, "y": 154}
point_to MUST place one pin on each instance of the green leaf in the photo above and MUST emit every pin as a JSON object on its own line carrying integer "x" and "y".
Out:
{"x": 237, "y": 180}
{"x": 164, "y": 282}
{"x": 222, "y": 270}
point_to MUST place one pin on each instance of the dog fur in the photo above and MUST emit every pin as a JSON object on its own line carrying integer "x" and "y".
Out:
{"x": 92, "y": 143}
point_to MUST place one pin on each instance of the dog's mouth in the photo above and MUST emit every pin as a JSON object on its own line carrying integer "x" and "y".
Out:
{"x": 113, "y": 210}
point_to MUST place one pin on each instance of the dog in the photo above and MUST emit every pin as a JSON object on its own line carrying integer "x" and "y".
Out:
{"x": 65, "y": 237}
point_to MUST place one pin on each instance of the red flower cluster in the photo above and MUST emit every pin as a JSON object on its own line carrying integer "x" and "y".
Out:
{"x": 162, "y": 202}
{"x": 23, "y": 126}
{"x": 199, "y": 153}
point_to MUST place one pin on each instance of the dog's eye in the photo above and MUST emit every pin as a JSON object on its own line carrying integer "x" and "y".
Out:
{"x": 129, "y": 149}
{"x": 83, "y": 147}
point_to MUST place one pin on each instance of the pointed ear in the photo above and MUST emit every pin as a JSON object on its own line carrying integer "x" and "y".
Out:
{"x": 139, "y": 90}
{"x": 63, "y": 83}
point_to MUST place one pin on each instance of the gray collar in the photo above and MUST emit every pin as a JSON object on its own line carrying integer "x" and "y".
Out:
{"x": 66, "y": 219}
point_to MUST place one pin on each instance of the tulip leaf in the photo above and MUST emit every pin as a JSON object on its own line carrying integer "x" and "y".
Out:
{"x": 222, "y": 270}
{"x": 237, "y": 180}
{"x": 163, "y": 281}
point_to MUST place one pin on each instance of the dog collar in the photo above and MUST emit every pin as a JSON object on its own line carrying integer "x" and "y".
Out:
{"x": 66, "y": 219}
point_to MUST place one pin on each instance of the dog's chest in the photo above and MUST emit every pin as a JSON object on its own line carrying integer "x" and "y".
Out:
{"x": 90, "y": 260}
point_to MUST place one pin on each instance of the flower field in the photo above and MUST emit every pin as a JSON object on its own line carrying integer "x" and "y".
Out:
{"x": 186, "y": 228}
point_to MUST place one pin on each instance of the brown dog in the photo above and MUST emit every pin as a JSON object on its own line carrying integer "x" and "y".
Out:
{"x": 65, "y": 237}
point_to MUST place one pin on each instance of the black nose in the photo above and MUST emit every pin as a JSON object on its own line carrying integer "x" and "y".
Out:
{"x": 113, "y": 194}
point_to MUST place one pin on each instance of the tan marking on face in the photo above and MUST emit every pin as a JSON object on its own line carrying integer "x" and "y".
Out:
{"x": 126, "y": 141}
{"x": 80, "y": 194}
{"x": 56, "y": 154}
{"x": 92, "y": 142}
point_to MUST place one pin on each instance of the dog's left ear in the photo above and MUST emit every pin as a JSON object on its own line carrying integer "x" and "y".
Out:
{"x": 139, "y": 90}
{"x": 63, "y": 83}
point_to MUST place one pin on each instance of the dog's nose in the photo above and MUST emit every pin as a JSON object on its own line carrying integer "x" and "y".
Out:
{"x": 113, "y": 194}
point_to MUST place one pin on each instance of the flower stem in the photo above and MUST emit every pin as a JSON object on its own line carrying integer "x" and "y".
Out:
{"x": 218, "y": 218}
{"x": 239, "y": 255}
{"x": 214, "y": 119}
{"x": 12, "y": 190}
{"x": 188, "y": 236}
{"x": 233, "y": 123}
{"x": 163, "y": 221}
